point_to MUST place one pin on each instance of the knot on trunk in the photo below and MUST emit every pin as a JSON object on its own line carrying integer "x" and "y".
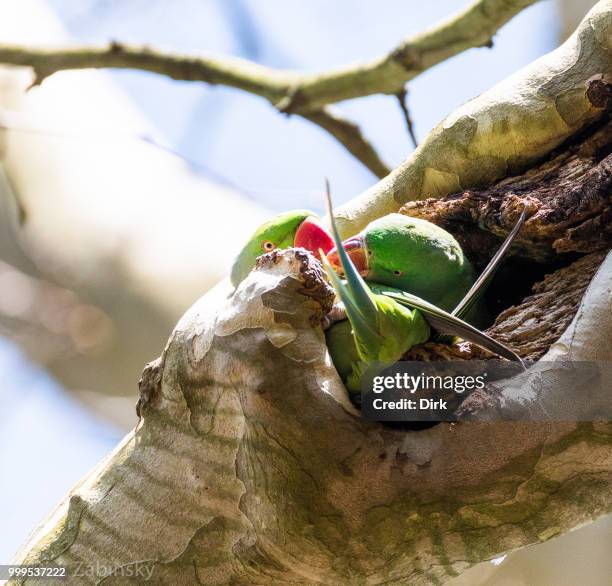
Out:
{"x": 599, "y": 91}
{"x": 149, "y": 385}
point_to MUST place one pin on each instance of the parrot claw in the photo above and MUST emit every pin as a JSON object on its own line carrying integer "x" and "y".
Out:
{"x": 338, "y": 313}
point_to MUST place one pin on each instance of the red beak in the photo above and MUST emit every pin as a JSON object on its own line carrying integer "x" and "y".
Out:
{"x": 356, "y": 250}
{"x": 312, "y": 236}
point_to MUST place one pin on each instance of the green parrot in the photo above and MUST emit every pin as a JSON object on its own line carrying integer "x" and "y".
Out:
{"x": 418, "y": 257}
{"x": 385, "y": 322}
{"x": 410, "y": 254}
{"x": 299, "y": 228}
{"x": 406, "y": 253}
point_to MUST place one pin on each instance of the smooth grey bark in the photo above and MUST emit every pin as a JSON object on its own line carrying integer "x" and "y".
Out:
{"x": 249, "y": 464}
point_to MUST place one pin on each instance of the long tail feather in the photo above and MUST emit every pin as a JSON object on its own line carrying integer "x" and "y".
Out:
{"x": 354, "y": 280}
{"x": 363, "y": 324}
{"x": 354, "y": 293}
{"x": 485, "y": 278}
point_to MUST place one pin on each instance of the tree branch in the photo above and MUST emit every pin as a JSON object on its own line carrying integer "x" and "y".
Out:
{"x": 227, "y": 71}
{"x": 402, "y": 98}
{"x": 250, "y": 466}
{"x": 473, "y": 27}
{"x": 504, "y": 130}
{"x": 290, "y": 91}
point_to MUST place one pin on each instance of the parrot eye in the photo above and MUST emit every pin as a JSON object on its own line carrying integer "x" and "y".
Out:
{"x": 267, "y": 245}
{"x": 397, "y": 273}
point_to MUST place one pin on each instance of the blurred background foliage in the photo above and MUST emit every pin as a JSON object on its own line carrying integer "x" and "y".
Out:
{"x": 124, "y": 196}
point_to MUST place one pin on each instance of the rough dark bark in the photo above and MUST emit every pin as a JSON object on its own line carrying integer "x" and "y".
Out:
{"x": 567, "y": 198}
{"x": 538, "y": 322}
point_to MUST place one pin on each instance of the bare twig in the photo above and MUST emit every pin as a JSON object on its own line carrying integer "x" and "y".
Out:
{"x": 402, "y": 98}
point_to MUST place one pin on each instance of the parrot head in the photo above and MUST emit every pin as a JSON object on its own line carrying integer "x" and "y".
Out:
{"x": 299, "y": 228}
{"x": 410, "y": 254}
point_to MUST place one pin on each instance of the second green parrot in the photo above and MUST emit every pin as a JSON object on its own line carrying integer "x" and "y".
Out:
{"x": 299, "y": 228}
{"x": 385, "y": 322}
{"x": 410, "y": 254}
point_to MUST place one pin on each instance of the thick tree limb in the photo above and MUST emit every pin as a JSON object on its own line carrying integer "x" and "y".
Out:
{"x": 267, "y": 476}
{"x": 290, "y": 91}
{"x": 504, "y": 130}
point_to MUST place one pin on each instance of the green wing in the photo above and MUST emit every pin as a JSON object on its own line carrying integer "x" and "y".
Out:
{"x": 354, "y": 293}
{"x": 446, "y": 323}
